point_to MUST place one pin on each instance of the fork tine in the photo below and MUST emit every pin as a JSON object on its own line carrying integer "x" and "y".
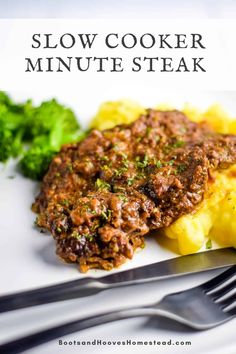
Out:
{"x": 227, "y": 302}
{"x": 223, "y": 291}
{"x": 220, "y": 279}
{"x": 232, "y": 312}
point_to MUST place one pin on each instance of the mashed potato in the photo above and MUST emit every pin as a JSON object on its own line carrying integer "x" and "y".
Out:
{"x": 119, "y": 112}
{"x": 215, "y": 217}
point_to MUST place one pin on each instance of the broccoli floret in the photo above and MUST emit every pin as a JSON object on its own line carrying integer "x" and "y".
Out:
{"x": 58, "y": 137}
{"x": 6, "y": 138}
{"x": 5, "y": 99}
{"x": 10, "y": 143}
{"x": 11, "y": 128}
{"x": 52, "y": 125}
{"x": 36, "y": 133}
{"x": 35, "y": 162}
{"x": 43, "y": 119}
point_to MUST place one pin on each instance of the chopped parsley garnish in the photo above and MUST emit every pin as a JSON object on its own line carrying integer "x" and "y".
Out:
{"x": 116, "y": 147}
{"x": 181, "y": 168}
{"x": 125, "y": 161}
{"x": 130, "y": 180}
{"x": 100, "y": 184}
{"x": 124, "y": 155}
{"x": 170, "y": 163}
{"x": 178, "y": 143}
{"x": 106, "y": 214}
{"x": 65, "y": 202}
{"x": 148, "y": 131}
{"x": 140, "y": 175}
{"x": 208, "y": 244}
{"x": 118, "y": 188}
{"x": 94, "y": 227}
{"x": 89, "y": 210}
{"x": 158, "y": 164}
{"x": 105, "y": 167}
{"x": 93, "y": 212}
{"x": 70, "y": 167}
{"x": 143, "y": 163}
{"x": 89, "y": 237}
{"x": 104, "y": 158}
{"x": 119, "y": 172}
{"x": 125, "y": 164}
{"x": 77, "y": 235}
{"x": 123, "y": 198}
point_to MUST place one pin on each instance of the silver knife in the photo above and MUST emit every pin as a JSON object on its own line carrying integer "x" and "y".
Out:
{"x": 183, "y": 265}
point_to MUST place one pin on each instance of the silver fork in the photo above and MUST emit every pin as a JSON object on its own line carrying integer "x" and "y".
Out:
{"x": 201, "y": 308}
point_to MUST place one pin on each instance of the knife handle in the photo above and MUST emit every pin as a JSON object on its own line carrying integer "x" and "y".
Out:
{"x": 65, "y": 291}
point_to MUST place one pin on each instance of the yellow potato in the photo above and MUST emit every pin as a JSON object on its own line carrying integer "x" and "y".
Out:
{"x": 189, "y": 230}
{"x": 224, "y": 228}
{"x": 164, "y": 107}
{"x": 113, "y": 113}
{"x": 192, "y": 113}
{"x": 218, "y": 119}
{"x": 211, "y": 216}
{"x": 232, "y": 127}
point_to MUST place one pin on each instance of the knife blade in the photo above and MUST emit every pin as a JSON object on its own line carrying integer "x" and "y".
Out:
{"x": 183, "y": 265}
{"x": 192, "y": 263}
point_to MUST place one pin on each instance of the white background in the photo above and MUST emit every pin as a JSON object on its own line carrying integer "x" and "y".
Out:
{"x": 16, "y": 42}
{"x": 157, "y": 9}
{"x": 16, "y": 45}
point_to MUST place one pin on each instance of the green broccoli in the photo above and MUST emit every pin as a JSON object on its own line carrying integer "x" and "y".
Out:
{"x": 43, "y": 119}
{"x": 35, "y": 133}
{"x": 50, "y": 126}
{"x": 6, "y": 138}
{"x": 36, "y": 160}
{"x": 11, "y": 128}
{"x": 5, "y": 99}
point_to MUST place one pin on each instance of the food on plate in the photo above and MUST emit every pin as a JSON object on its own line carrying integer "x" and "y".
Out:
{"x": 123, "y": 182}
{"x": 35, "y": 134}
{"x": 215, "y": 116}
{"x": 113, "y": 113}
{"x": 206, "y": 223}
{"x": 214, "y": 217}
{"x": 11, "y": 127}
{"x": 101, "y": 196}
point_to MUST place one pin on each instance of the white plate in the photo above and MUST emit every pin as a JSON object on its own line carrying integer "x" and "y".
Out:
{"x": 28, "y": 260}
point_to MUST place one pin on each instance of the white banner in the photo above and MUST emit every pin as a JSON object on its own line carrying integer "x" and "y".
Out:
{"x": 96, "y": 54}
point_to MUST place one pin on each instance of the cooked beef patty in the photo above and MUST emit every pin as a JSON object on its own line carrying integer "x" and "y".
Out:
{"x": 101, "y": 196}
